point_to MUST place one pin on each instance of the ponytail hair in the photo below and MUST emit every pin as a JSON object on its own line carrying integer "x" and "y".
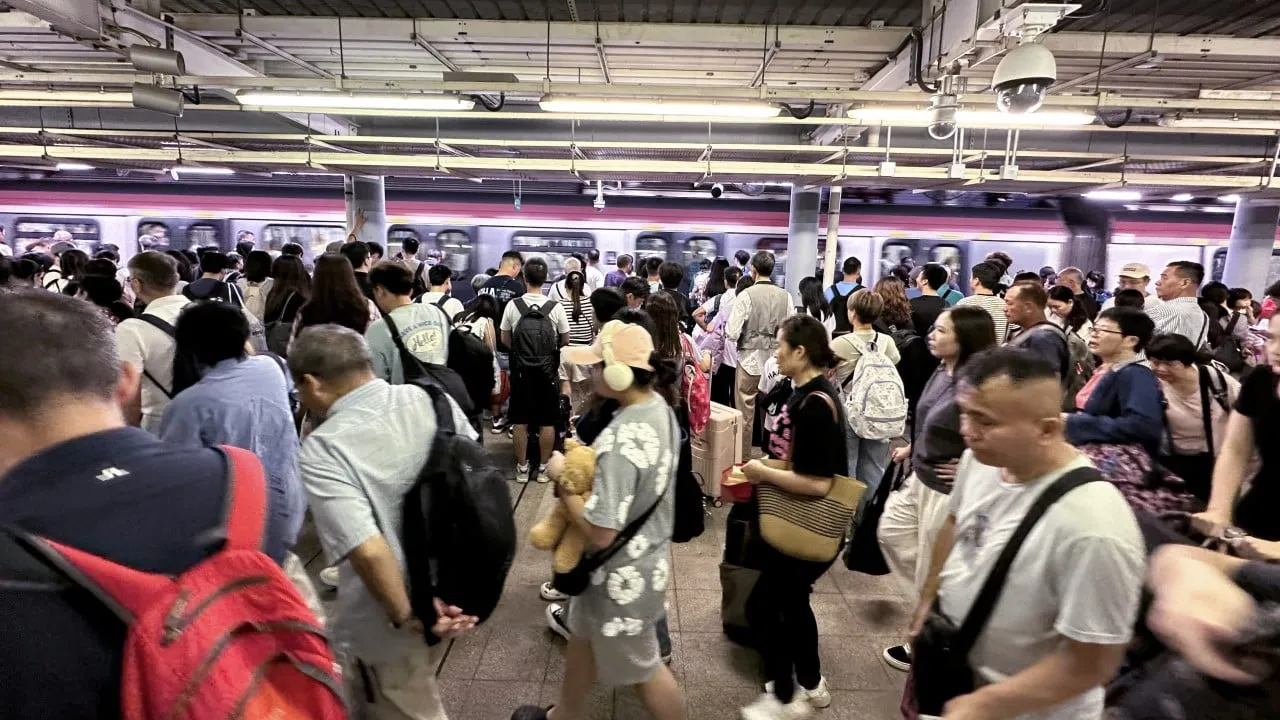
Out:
{"x": 574, "y": 282}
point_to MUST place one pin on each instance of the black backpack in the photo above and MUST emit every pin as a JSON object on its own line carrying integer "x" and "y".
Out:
{"x": 535, "y": 344}
{"x": 443, "y": 376}
{"x": 1229, "y": 352}
{"x": 472, "y": 359}
{"x": 840, "y": 308}
{"x": 458, "y": 533}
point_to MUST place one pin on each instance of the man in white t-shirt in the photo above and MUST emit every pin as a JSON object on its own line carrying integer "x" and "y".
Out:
{"x": 1066, "y": 613}
{"x": 441, "y": 293}
{"x": 423, "y": 329}
{"x": 144, "y": 341}
{"x": 595, "y": 278}
{"x": 535, "y": 381}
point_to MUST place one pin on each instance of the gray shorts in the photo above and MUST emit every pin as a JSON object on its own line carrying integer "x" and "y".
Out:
{"x": 623, "y": 659}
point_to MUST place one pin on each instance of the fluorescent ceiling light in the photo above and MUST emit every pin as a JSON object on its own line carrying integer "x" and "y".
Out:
{"x": 66, "y": 96}
{"x": 1114, "y": 195}
{"x": 657, "y": 106}
{"x": 974, "y": 118}
{"x": 1220, "y": 123}
{"x": 200, "y": 170}
{"x": 1183, "y": 197}
{"x": 355, "y": 101}
{"x": 73, "y": 166}
{"x": 1229, "y": 199}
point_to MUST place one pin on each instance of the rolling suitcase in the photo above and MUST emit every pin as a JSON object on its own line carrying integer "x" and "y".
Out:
{"x": 717, "y": 448}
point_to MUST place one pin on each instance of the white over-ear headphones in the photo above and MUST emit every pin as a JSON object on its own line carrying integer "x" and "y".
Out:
{"x": 618, "y": 376}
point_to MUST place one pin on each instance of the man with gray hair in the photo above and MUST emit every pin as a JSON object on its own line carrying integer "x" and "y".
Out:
{"x": 1073, "y": 278}
{"x": 356, "y": 468}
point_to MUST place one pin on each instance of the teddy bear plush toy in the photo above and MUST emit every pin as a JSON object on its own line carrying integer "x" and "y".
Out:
{"x": 575, "y": 471}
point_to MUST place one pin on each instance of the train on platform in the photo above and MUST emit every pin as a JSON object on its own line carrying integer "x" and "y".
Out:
{"x": 470, "y": 233}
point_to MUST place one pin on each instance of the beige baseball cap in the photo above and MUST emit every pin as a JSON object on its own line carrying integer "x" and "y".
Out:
{"x": 629, "y": 344}
{"x": 1137, "y": 271}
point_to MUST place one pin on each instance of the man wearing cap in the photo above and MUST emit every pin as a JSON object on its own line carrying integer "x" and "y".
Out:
{"x": 1134, "y": 276}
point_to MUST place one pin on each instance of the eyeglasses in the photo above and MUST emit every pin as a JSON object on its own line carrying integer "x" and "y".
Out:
{"x": 1095, "y": 330}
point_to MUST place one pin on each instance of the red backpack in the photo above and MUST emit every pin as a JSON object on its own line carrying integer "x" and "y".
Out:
{"x": 230, "y": 637}
{"x": 694, "y": 387}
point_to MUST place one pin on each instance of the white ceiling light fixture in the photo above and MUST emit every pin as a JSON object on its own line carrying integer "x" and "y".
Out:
{"x": 74, "y": 96}
{"x": 1219, "y": 123}
{"x": 72, "y": 166}
{"x": 1119, "y": 195}
{"x": 1183, "y": 197}
{"x": 355, "y": 101}
{"x": 179, "y": 170}
{"x": 973, "y": 118}
{"x": 1229, "y": 199}
{"x": 657, "y": 106}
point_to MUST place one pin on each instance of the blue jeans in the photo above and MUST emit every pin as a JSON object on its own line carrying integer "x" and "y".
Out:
{"x": 868, "y": 460}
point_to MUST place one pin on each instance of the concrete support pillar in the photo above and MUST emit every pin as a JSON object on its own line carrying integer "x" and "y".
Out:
{"x": 802, "y": 237}
{"x": 1088, "y": 233}
{"x": 1253, "y": 235}
{"x": 366, "y": 207}
{"x": 832, "y": 249}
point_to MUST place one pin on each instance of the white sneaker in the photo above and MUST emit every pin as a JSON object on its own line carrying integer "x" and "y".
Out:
{"x": 550, "y": 594}
{"x": 819, "y": 697}
{"x": 329, "y": 576}
{"x": 557, "y": 622}
{"x": 522, "y": 473}
{"x": 543, "y": 478}
{"x": 767, "y": 707}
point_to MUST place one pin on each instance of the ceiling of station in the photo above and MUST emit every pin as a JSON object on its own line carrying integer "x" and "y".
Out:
{"x": 1140, "y": 62}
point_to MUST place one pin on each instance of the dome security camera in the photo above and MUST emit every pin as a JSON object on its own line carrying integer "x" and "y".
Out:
{"x": 942, "y": 116}
{"x": 1023, "y": 78}
{"x": 717, "y": 190}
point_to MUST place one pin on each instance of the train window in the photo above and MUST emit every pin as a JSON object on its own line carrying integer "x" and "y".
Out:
{"x": 777, "y": 246}
{"x": 650, "y": 246}
{"x": 892, "y": 254}
{"x": 552, "y": 248}
{"x": 157, "y": 230}
{"x": 454, "y": 248}
{"x": 697, "y": 249}
{"x": 313, "y": 237}
{"x": 947, "y": 256}
{"x": 203, "y": 235}
{"x": 395, "y": 241}
{"x": 33, "y": 232}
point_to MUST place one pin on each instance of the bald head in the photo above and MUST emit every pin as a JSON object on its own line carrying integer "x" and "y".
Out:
{"x": 1073, "y": 278}
{"x": 1010, "y": 403}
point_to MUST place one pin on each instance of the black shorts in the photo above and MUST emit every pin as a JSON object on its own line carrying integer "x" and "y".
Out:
{"x": 535, "y": 400}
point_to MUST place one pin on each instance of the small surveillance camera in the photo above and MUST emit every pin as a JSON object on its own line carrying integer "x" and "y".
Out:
{"x": 598, "y": 203}
{"x": 1023, "y": 77}
{"x": 942, "y": 116}
{"x": 717, "y": 190}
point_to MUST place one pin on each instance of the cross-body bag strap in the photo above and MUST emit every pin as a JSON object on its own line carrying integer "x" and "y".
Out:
{"x": 407, "y": 359}
{"x": 167, "y": 329}
{"x": 283, "y": 308}
{"x": 835, "y": 416}
{"x": 980, "y": 612}
{"x": 592, "y": 561}
{"x": 1206, "y": 410}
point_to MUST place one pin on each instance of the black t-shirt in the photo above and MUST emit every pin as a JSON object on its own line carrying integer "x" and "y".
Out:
{"x": 1256, "y": 512}
{"x": 504, "y": 289}
{"x": 925, "y": 311}
{"x": 366, "y": 287}
{"x": 123, "y": 495}
{"x": 818, "y": 448}
{"x": 1090, "y": 305}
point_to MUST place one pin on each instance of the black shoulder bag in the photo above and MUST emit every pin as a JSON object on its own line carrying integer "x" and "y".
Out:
{"x": 940, "y": 667}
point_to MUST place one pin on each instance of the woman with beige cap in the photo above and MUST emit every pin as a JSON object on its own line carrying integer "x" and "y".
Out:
{"x": 628, "y": 521}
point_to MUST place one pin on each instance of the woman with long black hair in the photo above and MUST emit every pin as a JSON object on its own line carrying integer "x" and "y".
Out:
{"x": 814, "y": 302}
{"x": 335, "y": 297}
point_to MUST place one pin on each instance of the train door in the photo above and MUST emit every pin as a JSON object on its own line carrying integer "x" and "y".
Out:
{"x": 1220, "y": 267}
{"x": 178, "y": 233}
{"x": 36, "y": 232}
{"x": 857, "y": 247}
{"x": 651, "y": 244}
{"x": 953, "y": 255}
{"x": 453, "y": 246}
{"x": 1026, "y": 256}
{"x": 553, "y": 246}
{"x": 690, "y": 249}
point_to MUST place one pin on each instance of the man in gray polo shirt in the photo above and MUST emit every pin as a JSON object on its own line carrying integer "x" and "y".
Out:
{"x": 356, "y": 467}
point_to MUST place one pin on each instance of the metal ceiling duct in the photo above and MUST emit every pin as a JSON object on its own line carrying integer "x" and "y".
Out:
{"x": 157, "y": 60}
{"x": 159, "y": 99}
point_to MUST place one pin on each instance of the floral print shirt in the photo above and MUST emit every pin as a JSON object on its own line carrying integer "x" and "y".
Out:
{"x": 636, "y": 459}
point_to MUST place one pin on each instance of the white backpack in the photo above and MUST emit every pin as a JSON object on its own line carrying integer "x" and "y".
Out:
{"x": 874, "y": 400}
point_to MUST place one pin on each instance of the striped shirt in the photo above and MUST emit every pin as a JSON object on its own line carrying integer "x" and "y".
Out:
{"x": 994, "y": 307}
{"x": 1181, "y": 315}
{"x": 583, "y": 330}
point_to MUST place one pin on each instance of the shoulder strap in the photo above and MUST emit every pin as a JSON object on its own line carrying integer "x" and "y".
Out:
{"x": 407, "y": 359}
{"x": 1206, "y": 410}
{"x": 167, "y": 329}
{"x": 548, "y": 306}
{"x": 835, "y": 416}
{"x": 522, "y": 307}
{"x": 982, "y": 606}
{"x": 444, "y": 298}
{"x": 440, "y": 403}
{"x": 283, "y": 308}
{"x": 247, "y": 500}
{"x": 1231, "y": 325}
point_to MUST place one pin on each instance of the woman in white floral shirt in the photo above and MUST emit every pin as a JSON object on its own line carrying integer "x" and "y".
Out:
{"x": 613, "y": 622}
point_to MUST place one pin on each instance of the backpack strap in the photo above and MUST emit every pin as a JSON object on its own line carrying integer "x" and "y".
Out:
{"x": 1206, "y": 410}
{"x": 124, "y": 591}
{"x": 1231, "y": 325}
{"x": 440, "y": 403}
{"x": 980, "y": 612}
{"x": 407, "y": 359}
{"x": 522, "y": 307}
{"x": 547, "y": 307}
{"x": 167, "y": 329}
{"x": 247, "y": 500}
